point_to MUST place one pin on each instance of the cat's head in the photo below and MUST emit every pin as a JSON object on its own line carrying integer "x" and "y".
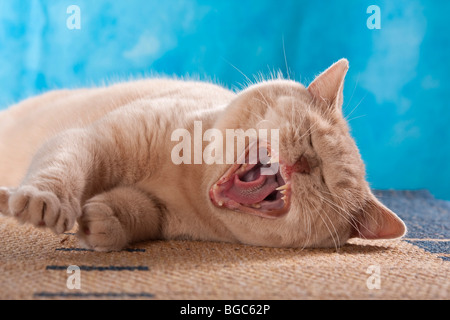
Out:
{"x": 319, "y": 196}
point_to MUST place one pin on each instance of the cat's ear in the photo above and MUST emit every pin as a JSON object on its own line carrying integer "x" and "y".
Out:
{"x": 328, "y": 87}
{"x": 376, "y": 221}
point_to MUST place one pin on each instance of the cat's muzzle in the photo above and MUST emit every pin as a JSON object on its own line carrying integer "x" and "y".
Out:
{"x": 258, "y": 183}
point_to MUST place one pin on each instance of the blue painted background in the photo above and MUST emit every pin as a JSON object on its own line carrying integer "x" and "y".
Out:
{"x": 397, "y": 91}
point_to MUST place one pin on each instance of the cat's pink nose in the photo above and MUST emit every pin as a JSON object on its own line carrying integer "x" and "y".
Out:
{"x": 302, "y": 166}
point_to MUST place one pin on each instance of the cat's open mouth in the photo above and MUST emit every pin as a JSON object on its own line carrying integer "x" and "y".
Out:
{"x": 261, "y": 186}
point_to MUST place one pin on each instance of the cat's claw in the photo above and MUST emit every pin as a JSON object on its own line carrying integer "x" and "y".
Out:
{"x": 100, "y": 229}
{"x": 42, "y": 209}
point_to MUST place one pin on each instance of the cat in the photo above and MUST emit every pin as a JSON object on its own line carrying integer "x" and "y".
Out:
{"x": 101, "y": 158}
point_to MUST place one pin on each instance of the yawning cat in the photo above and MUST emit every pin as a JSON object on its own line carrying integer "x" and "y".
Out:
{"x": 104, "y": 157}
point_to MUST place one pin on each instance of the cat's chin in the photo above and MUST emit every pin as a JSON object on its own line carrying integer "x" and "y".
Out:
{"x": 261, "y": 188}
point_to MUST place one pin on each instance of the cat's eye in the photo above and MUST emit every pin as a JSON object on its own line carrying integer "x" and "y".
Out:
{"x": 310, "y": 140}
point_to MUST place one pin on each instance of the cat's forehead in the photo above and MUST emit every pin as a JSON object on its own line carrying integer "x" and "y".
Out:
{"x": 276, "y": 87}
{"x": 278, "y": 93}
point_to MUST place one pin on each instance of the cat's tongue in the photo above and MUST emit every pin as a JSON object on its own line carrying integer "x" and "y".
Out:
{"x": 252, "y": 187}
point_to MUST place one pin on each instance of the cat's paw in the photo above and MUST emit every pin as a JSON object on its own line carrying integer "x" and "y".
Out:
{"x": 42, "y": 209}
{"x": 100, "y": 229}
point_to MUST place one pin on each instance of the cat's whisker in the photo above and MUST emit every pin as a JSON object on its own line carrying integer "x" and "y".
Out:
{"x": 340, "y": 212}
{"x": 369, "y": 216}
{"x": 309, "y": 226}
{"x": 354, "y": 118}
{"x": 353, "y": 92}
{"x": 328, "y": 228}
{"x": 353, "y": 224}
{"x": 334, "y": 195}
{"x": 356, "y": 192}
{"x": 359, "y": 103}
{"x": 319, "y": 214}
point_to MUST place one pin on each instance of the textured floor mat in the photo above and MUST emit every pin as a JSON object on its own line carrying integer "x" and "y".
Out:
{"x": 34, "y": 263}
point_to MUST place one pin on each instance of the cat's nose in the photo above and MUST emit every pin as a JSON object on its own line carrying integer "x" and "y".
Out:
{"x": 302, "y": 166}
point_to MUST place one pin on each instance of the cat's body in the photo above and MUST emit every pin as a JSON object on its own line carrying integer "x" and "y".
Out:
{"x": 103, "y": 157}
{"x": 27, "y": 125}
{"x": 150, "y": 110}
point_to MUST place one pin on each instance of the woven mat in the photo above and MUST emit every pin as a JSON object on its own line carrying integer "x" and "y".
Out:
{"x": 33, "y": 265}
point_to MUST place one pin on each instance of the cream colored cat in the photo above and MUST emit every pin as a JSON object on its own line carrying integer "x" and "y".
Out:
{"x": 102, "y": 157}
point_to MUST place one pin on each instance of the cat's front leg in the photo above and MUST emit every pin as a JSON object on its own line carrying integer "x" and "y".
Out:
{"x": 78, "y": 164}
{"x": 114, "y": 219}
{"x": 51, "y": 192}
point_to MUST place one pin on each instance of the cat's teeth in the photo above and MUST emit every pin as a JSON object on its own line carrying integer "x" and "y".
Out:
{"x": 282, "y": 188}
{"x": 283, "y": 192}
{"x": 256, "y": 206}
{"x": 220, "y": 203}
{"x": 284, "y": 198}
{"x": 243, "y": 168}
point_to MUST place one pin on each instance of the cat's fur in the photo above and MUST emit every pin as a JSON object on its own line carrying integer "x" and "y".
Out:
{"x": 102, "y": 157}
